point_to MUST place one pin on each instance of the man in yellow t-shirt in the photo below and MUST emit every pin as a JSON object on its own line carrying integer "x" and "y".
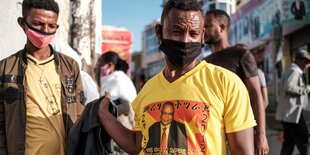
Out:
{"x": 211, "y": 102}
{"x": 208, "y": 108}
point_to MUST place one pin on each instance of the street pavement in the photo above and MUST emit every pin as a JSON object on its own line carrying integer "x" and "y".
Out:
{"x": 274, "y": 133}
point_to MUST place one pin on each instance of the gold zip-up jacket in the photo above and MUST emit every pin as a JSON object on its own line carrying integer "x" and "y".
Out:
{"x": 12, "y": 98}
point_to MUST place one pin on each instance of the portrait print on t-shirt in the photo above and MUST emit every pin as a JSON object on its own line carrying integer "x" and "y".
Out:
{"x": 176, "y": 127}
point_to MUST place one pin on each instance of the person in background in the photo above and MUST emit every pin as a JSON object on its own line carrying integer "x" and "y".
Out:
{"x": 241, "y": 62}
{"x": 41, "y": 89}
{"x": 262, "y": 79}
{"x": 115, "y": 80}
{"x": 210, "y": 101}
{"x": 91, "y": 92}
{"x": 293, "y": 99}
{"x": 122, "y": 89}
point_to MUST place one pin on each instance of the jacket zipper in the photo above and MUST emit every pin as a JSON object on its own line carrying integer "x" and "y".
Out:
{"x": 23, "y": 68}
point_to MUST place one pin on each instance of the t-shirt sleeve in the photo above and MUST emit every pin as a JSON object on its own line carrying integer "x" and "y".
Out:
{"x": 262, "y": 78}
{"x": 238, "y": 113}
{"x": 135, "y": 107}
{"x": 248, "y": 65}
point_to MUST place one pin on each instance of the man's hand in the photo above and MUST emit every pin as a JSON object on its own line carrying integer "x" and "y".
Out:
{"x": 104, "y": 104}
{"x": 261, "y": 144}
{"x": 128, "y": 140}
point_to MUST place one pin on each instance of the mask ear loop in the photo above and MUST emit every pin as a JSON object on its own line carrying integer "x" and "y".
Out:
{"x": 202, "y": 43}
{"x": 36, "y": 30}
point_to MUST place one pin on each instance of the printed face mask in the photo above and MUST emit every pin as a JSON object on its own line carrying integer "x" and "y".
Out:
{"x": 105, "y": 70}
{"x": 180, "y": 53}
{"x": 38, "y": 38}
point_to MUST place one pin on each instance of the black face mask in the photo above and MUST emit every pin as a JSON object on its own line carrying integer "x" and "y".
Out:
{"x": 180, "y": 53}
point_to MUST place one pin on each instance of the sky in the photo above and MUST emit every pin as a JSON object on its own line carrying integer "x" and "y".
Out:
{"x": 133, "y": 15}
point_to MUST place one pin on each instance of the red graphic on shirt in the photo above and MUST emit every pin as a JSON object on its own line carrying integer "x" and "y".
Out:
{"x": 193, "y": 114}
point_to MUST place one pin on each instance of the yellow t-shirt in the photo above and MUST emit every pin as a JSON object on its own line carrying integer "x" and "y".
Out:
{"x": 208, "y": 100}
{"x": 45, "y": 133}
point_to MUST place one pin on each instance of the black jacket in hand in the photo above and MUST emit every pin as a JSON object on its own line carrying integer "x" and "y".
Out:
{"x": 87, "y": 136}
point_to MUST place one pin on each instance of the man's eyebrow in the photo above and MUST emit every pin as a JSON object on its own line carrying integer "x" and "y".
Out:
{"x": 177, "y": 26}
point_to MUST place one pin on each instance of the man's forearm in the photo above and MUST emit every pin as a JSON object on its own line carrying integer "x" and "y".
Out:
{"x": 241, "y": 142}
{"x": 259, "y": 113}
{"x": 257, "y": 104}
{"x": 261, "y": 142}
{"x": 124, "y": 137}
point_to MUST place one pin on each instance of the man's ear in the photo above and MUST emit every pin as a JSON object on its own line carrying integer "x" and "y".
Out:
{"x": 223, "y": 27}
{"x": 203, "y": 35}
{"x": 21, "y": 22}
{"x": 159, "y": 31}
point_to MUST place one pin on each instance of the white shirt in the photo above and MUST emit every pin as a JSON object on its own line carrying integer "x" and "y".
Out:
{"x": 119, "y": 85}
{"x": 305, "y": 101}
{"x": 90, "y": 88}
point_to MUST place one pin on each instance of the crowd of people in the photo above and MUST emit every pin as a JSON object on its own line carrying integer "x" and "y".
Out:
{"x": 210, "y": 106}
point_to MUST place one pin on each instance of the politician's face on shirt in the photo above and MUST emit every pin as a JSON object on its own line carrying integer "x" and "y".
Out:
{"x": 166, "y": 114}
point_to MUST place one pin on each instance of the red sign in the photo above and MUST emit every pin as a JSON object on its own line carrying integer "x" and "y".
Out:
{"x": 118, "y": 40}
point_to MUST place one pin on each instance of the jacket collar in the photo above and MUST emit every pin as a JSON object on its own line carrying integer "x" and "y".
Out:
{"x": 24, "y": 57}
{"x": 297, "y": 68}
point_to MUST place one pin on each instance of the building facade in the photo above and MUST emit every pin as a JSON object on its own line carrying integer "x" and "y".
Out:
{"x": 273, "y": 36}
{"x": 227, "y": 5}
{"x": 153, "y": 58}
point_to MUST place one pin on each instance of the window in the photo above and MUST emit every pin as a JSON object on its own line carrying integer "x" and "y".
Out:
{"x": 151, "y": 42}
{"x": 151, "y": 45}
{"x": 212, "y": 6}
{"x": 222, "y": 6}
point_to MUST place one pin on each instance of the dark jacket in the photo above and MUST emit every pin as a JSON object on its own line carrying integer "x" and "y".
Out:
{"x": 87, "y": 136}
{"x": 298, "y": 13}
{"x": 12, "y": 98}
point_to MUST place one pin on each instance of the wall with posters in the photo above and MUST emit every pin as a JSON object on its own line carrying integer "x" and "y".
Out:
{"x": 254, "y": 22}
{"x": 272, "y": 28}
{"x": 258, "y": 25}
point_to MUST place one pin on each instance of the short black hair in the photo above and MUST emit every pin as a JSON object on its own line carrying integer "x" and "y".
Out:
{"x": 50, "y": 5}
{"x": 112, "y": 57}
{"x": 184, "y": 5}
{"x": 220, "y": 16}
